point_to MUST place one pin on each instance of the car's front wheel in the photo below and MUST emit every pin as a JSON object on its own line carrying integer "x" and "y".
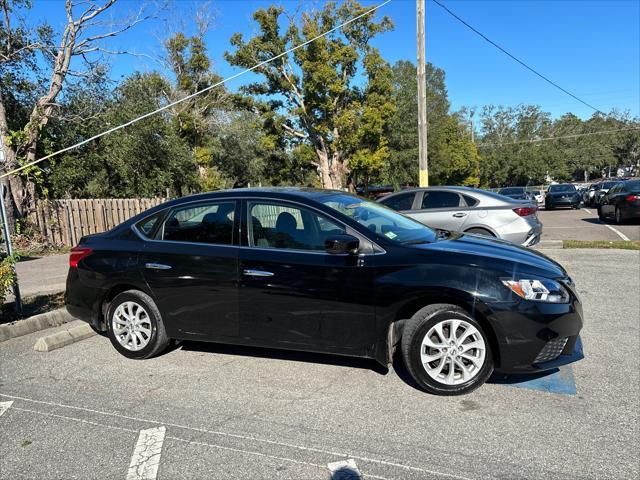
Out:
{"x": 446, "y": 350}
{"x": 619, "y": 218}
{"x": 134, "y": 325}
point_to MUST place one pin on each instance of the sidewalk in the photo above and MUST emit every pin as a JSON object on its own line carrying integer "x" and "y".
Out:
{"x": 44, "y": 275}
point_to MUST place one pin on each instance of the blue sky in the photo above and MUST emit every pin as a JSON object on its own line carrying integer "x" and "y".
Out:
{"x": 591, "y": 48}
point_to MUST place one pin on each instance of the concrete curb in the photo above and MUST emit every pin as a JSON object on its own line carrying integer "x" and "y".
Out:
{"x": 34, "y": 324}
{"x": 549, "y": 244}
{"x": 64, "y": 338}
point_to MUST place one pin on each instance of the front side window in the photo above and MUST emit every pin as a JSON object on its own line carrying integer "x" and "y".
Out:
{"x": 379, "y": 219}
{"x": 440, "y": 200}
{"x": 273, "y": 225}
{"x": 201, "y": 223}
{"x": 402, "y": 201}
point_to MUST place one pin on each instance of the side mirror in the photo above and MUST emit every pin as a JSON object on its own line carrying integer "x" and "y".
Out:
{"x": 342, "y": 244}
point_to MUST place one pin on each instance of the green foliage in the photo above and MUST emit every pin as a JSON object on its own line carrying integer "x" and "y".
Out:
{"x": 316, "y": 87}
{"x": 7, "y": 276}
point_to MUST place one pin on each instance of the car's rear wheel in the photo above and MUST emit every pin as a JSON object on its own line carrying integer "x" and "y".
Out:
{"x": 446, "y": 350}
{"x": 619, "y": 218}
{"x": 134, "y": 325}
{"x": 480, "y": 231}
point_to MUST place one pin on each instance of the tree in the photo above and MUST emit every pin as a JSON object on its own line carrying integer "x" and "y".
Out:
{"x": 452, "y": 156}
{"x": 147, "y": 159}
{"x": 27, "y": 48}
{"x": 316, "y": 86}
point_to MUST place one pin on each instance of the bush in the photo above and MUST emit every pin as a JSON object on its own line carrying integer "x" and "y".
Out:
{"x": 7, "y": 276}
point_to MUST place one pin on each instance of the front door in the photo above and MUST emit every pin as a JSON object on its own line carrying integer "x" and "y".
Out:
{"x": 192, "y": 269}
{"x": 293, "y": 293}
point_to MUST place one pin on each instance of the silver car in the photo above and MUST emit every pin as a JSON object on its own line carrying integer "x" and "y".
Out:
{"x": 470, "y": 210}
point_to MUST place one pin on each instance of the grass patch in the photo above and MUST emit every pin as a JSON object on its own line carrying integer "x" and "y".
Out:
{"x": 621, "y": 244}
{"x": 32, "y": 306}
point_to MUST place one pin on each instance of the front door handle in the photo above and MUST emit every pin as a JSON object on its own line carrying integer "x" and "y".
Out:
{"x": 459, "y": 215}
{"x": 257, "y": 273}
{"x": 157, "y": 266}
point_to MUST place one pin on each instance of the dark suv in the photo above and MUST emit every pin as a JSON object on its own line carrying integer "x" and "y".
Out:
{"x": 325, "y": 271}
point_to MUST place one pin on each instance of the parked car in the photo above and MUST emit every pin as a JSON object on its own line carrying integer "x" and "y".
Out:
{"x": 517, "y": 193}
{"x": 470, "y": 210}
{"x": 622, "y": 202}
{"x": 325, "y": 271}
{"x": 538, "y": 196}
{"x": 562, "y": 195}
{"x": 603, "y": 188}
{"x": 588, "y": 197}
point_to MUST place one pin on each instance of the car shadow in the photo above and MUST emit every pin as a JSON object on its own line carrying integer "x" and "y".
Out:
{"x": 595, "y": 221}
{"x": 504, "y": 379}
{"x": 288, "y": 355}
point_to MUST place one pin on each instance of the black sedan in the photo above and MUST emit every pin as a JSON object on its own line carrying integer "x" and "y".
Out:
{"x": 562, "y": 195}
{"x": 325, "y": 271}
{"x": 622, "y": 202}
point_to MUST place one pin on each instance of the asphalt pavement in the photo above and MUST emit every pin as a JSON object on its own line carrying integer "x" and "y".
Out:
{"x": 244, "y": 413}
{"x": 583, "y": 224}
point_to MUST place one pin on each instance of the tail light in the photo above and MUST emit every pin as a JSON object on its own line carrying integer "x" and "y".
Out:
{"x": 77, "y": 254}
{"x": 525, "y": 211}
{"x": 633, "y": 197}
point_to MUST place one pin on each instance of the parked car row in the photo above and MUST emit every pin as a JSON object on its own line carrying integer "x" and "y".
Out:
{"x": 470, "y": 210}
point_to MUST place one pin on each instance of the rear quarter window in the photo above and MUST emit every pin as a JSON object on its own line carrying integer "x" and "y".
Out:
{"x": 147, "y": 226}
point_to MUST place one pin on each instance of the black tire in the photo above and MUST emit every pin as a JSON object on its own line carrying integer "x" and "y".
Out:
{"x": 600, "y": 214}
{"x": 619, "y": 218}
{"x": 416, "y": 328}
{"x": 548, "y": 207}
{"x": 480, "y": 231}
{"x": 158, "y": 339}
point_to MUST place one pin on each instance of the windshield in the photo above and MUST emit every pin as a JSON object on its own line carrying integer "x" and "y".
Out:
{"x": 380, "y": 219}
{"x": 511, "y": 191}
{"x": 562, "y": 188}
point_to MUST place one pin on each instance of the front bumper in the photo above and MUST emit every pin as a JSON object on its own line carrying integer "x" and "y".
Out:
{"x": 562, "y": 202}
{"x": 528, "y": 334}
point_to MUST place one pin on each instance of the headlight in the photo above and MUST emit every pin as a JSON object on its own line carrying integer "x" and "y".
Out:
{"x": 540, "y": 290}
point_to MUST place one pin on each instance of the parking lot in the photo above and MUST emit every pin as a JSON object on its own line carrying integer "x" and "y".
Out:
{"x": 210, "y": 411}
{"x": 583, "y": 224}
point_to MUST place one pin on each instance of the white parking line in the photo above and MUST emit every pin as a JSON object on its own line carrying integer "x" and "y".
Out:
{"x": 615, "y": 230}
{"x": 587, "y": 210}
{"x": 146, "y": 454}
{"x": 4, "y": 406}
{"x": 250, "y": 438}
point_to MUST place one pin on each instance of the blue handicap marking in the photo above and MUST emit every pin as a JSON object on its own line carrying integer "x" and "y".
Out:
{"x": 559, "y": 380}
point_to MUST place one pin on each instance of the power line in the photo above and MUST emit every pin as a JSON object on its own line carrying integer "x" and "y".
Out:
{"x": 556, "y": 138}
{"x": 188, "y": 97}
{"x": 546, "y": 79}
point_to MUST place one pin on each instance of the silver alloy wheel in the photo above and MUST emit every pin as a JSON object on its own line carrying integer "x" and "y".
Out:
{"x": 131, "y": 326}
{"x": 453, "y": 352}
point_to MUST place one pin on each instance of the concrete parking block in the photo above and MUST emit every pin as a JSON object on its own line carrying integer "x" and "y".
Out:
{"x": 63, "y": 338}
{"x": 33, "y": 324}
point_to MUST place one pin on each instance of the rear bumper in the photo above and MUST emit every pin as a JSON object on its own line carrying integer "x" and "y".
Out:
{"x": 528, "y": 332}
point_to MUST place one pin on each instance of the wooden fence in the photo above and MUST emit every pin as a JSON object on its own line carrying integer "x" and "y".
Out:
{"x": 64, "y": 222}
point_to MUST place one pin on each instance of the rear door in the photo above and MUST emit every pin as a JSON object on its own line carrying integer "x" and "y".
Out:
{"x": 191, "y": 266}
{"x": 441, "y": 209}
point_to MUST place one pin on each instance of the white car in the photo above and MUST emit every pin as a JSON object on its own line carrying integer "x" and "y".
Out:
{"x": 538, "y": 195}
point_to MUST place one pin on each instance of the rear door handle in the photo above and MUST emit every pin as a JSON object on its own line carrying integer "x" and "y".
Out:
{"x": 157, "y": 266}
{"x": 257, "y": 273}
{"x": 459, "y": 215}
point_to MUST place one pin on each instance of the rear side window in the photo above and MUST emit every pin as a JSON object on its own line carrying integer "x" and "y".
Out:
{"x": 471, "y": 202}
{"x": 440, "y": 200}
{"x": 402, "y": 201}
{"x": 148, "y": 225}
{"x": 201, "y": 223}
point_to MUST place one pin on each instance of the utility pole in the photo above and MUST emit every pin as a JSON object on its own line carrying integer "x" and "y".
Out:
{"x": 422, "y": 96}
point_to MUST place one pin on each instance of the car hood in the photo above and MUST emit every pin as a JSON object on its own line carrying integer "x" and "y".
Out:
{"x": 490, "y": 252}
